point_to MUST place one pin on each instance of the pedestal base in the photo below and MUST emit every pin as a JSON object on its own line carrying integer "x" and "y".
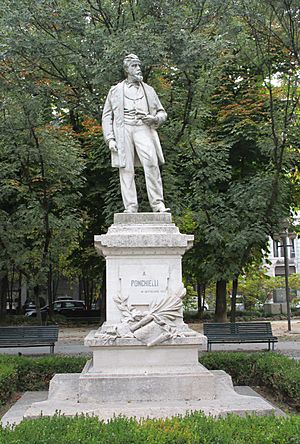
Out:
{"x": 128, "y": 370}
{"x": 189, "y": 383}
{"x": 64, "y": 399}
{"x": 130, "y": 379}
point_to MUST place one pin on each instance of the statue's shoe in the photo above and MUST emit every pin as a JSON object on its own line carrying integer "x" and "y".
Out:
{"x": 130, "y": 210}
{"x": 162, "y": 209}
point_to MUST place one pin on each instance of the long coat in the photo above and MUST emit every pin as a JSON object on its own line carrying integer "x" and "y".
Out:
{"x": 113, "y": 122}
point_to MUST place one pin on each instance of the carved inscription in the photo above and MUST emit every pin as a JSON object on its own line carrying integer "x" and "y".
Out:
{"x": 144, "y": 283}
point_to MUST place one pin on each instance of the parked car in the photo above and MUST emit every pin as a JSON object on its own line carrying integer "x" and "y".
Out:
{"x": 193, "y": 305}
{"x": 28, "y": 306}
{"x": 68, "y": 308}
{"x": 63, "y": 298}
{"x": 239, "y": 304}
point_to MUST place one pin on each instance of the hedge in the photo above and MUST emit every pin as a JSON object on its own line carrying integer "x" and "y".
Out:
{"x": 8, "y": 381}
{"x": 278, "y": 373}
{"x": 21, "y": 373}
{"x": 191, "y": 429}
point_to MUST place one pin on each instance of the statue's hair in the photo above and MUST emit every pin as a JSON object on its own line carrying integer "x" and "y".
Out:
{"x": 129, "y": 59}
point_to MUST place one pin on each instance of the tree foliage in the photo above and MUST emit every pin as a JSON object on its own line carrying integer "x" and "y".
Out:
{"x": 228, "y": 75}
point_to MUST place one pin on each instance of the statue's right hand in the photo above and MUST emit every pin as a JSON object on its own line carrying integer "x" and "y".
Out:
{"x": 113, "y": 145}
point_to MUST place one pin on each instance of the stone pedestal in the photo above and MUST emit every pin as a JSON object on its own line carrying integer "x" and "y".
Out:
{"x": 145, "y": 358}
{"x": 128, "y": 371}
{"x": 143, "y": 254}
{"x": 275, "y": 308}
{"x": 144, "y": 351}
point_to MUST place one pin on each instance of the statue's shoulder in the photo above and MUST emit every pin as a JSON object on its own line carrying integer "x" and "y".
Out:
{"x": 149, "y": 90}
{"x": 117, "y": 87}
{"x": 148, "y": 87}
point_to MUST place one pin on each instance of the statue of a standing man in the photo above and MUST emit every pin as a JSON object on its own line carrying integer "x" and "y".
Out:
{"x": 131, "y": 114}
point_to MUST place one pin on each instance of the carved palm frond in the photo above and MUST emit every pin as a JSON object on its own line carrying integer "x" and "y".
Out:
{"x": 123, "y": 306}
{"x": 170, "y": 304}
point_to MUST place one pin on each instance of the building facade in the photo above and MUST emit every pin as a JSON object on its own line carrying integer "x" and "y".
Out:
{"x": 276, "y": 255}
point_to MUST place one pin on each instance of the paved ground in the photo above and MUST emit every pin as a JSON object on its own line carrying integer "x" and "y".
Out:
{"x": 71, "y": 341}
{"x": 290, "y": 348}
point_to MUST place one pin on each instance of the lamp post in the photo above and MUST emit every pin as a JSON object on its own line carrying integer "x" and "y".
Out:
{"x": 283, "y": 237}
{"x": 286, "y": 278}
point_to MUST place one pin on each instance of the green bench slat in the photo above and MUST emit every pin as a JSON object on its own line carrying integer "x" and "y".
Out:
{"x": 239, "y": 332}
{"x": 36, "y": 336}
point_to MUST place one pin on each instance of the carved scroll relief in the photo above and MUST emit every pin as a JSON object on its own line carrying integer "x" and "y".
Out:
{"x": 151, "y": 327}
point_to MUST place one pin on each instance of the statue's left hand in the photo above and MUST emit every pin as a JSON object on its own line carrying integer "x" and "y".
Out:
{"x": 150, "y": 120}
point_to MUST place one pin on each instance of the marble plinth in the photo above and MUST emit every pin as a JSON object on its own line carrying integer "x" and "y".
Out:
{"x": 128, "y": 370}
{"x": 143, "y": 253}
{"x": 64, "y": 399}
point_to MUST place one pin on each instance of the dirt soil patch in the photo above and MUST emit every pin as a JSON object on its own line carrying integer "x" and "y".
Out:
{"x": 269, "y": 396}
{"x": 75, "y": 334}
{"x": 280, "y": 329}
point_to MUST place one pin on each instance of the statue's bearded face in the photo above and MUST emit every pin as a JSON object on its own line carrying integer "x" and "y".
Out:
{"x": 134, "y": 72}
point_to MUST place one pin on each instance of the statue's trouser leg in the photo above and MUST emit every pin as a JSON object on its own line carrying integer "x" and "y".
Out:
{"x": 128, "y": 189}
{"x": 145, "y": 148}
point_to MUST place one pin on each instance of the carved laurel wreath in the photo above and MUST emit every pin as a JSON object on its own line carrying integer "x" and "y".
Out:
{"x": 162, "y": 312}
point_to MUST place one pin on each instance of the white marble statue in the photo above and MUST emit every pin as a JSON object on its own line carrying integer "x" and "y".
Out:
{"x": 131, "y": 115}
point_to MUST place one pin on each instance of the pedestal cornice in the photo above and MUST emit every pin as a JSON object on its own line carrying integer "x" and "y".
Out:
{"x": 143, "y": 233}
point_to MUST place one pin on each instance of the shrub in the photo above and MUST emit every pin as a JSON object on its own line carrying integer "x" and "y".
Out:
{"x": 240, "y": 366}
{"x": 18, "y": 320}
{"x": 194, "y": 316}
{"x": 191, "y": 429}
{"x": 8, "y": 381}
{"x": 277, "y": 372}
{"x": 35, "y": 373}
{"x": 282, "y": 375}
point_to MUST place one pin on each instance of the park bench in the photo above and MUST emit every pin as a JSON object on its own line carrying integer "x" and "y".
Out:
{"x": 29, "y": 336}
{"x": 239, "y": 332}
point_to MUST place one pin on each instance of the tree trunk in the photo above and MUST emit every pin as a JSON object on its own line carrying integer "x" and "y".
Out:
{"x": 235, "y": 281}
{"x": 80, "y": 291}
{"x": 36, "y": 292}
{"x": 11, "y": 290}
{"x": 90, "y": 295}
{"x": 19, "y": 308}
{"x": 221, "y": 306}
{"x": 201, "y": 297}
{"x": 50, "y": 290}
{"x": 88, "y": 289}
{"x": 55, "y": 283}
{"x": 85, "y": 282}
{"x": 3, "y": 295}
{"x": 50, "y": 285}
